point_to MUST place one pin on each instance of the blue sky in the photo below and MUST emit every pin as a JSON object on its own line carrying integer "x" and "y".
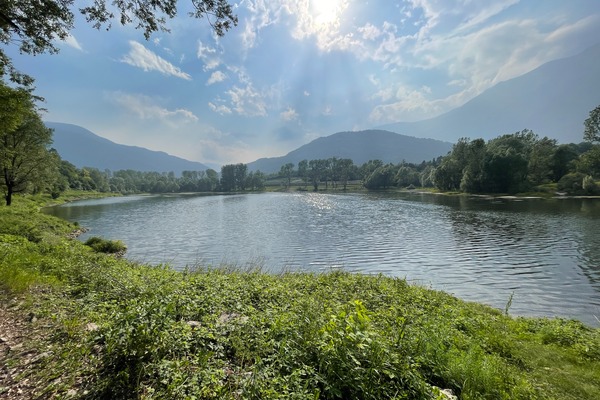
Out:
{"x": 294, "y": 70}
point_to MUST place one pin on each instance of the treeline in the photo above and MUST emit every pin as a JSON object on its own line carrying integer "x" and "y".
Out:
{"x": 518, "y": 162}
{"x": 511, "y": 163}
{"x": 233, "y": 178}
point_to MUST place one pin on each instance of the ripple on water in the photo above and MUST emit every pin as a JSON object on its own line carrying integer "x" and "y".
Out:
{"x": 547, "y": 254}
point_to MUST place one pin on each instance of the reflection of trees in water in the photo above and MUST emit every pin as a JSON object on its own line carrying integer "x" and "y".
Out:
{"x": 589, "y": 244}
{"x": 547, "y": 232}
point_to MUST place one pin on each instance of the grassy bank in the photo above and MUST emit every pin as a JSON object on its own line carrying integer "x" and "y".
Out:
{"x": 102, "y": 327}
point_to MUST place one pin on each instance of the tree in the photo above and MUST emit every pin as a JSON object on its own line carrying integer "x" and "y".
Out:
{"x": 317, "y": 169}
{"x": 368, "y": 168}
{"x": 303, "y": 171}
{"x": 506, "y": 164}
{"x": 345, "y": 167}
{"x": 228, "y": 177}
{"x": 562, "y": 160}
{"x": 472, "y": 174}
{"x": 286, "y": 171}
{"x": 591, "y": 132}
{"x": 25, "y": 160}
{"x": 407, "y": 176}
{"x": 35, "y": 25}
{"x": 589, "y": 162}
{"x": 381, "y": 178}
{"x": 541, "y": 161}
{"x": 240, "y": 172}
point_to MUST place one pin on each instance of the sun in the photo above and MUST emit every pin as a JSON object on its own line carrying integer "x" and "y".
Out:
{"x": 325, "y": 12}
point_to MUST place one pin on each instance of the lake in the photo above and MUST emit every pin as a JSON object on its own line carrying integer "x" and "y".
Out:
{"x": 544, "y": 251}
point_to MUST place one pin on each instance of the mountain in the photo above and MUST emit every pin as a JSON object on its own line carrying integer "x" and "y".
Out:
{"x": 85, "y": 149}
{"x": 361, "y": 147}
{"x": 552, "y": 100}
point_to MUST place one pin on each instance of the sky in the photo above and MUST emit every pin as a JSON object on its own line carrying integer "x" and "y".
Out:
{"x": 295, "y": 70}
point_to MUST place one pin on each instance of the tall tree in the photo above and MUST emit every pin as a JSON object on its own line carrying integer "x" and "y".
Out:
{"x": 35, "y": 25}
{"x": 240, "y": 172}
{"x": 25, "y": 160}
{"x": 286, "y": 171}
{"x": 317, "y": 169}
{"x": 228, "y": 177}
{"x": 303, "y": 171}
{"x": 591, "y": 133}
{"x": 345, "y": 167}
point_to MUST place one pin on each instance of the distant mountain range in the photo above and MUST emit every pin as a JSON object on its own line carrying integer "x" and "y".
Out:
{"x": 86, "y": 149}
{"x": 552, "y": 100}
{"x": 361, "y": 147}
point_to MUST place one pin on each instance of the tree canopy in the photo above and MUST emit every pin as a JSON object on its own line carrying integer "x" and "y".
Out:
{"x": 34, "y": 25}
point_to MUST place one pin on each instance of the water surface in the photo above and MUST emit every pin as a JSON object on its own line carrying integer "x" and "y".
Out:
{"x": 546, "y": 252}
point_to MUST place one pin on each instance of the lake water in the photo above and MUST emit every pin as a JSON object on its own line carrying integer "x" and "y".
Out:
{"x": 546, "y": 252}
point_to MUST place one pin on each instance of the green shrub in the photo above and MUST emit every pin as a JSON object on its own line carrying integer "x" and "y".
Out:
{"x": 572, "y": 183}
{"x": 100, "y": 245}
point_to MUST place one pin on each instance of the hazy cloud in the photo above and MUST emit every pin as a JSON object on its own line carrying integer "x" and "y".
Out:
{"x": 247, "y": 101}
{"x": 220, "y": 109}
{"x": 289, "y": 115}
{"x": 208, "y": 55}
{"x": 146, "y": 107}
{"x": 72, "y": 42}
{"x": 141, "y": 57}
{"x": 216, "y": 77}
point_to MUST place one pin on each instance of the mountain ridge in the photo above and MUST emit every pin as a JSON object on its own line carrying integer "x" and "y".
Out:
{"x": 84, "y": 148}
{"x": 360, "y": 146}
{"x": 542, "y": 100}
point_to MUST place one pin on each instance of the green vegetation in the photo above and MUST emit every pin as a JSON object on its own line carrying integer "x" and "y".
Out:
{"x": 26, "y": 164}
{"x": 109, "y": 328}
{"x": 106, "y": 246}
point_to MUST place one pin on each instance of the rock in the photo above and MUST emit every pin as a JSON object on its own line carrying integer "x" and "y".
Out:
{"x": 446, "y": 393}
{"x": 91, "y": 327}
{"x": 193, "y": 324}
{"x": 449, "y": 394}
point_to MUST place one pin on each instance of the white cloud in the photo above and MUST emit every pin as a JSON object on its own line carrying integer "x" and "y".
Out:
{"x": 147, "y": 108}
{"x": 219, "y": 109}
{"x": 141, "y": 57}
{"x": 216, "y": 77}
{"x": 370, "y": 32}
{"x": 407, "y": 105}
{"x": 208, "y": 55}
{"x": 289, "y": 115}
{"x": 247, "y": 101}
{"x": 72, "y": 42}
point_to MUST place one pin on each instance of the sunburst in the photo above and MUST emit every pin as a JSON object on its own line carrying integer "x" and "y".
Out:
{"x": 326, "y": 12}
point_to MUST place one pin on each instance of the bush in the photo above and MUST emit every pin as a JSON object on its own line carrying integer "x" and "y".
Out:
{"x": 572, "y": 183}
{"x": 590, "y": 186}
{"x": 106, "y": 246}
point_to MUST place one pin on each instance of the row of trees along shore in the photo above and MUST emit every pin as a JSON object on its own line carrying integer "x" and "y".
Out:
{"x": 511, "y": 163}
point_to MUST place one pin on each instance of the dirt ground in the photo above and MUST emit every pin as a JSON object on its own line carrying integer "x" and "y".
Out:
{"x": 16, "y": 355}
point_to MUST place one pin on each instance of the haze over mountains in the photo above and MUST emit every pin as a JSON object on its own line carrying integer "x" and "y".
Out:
{"x": 361, "y": 147}
{"x": 552, "y": 100}
{"x": 83, "y": 148}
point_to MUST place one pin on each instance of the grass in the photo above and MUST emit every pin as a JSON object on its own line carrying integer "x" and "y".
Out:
{"x": 116, "y": 329}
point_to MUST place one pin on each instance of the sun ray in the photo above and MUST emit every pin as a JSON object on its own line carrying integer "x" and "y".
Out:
{"x": 325, "y": 12}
